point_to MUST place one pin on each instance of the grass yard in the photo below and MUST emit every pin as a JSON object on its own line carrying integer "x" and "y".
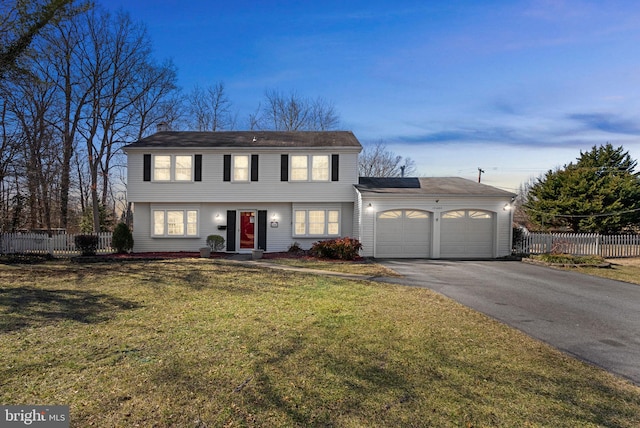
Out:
{"x": 202, "y": 343}
{"x": 627, "y": 270}
{"x": 360, "y": 268}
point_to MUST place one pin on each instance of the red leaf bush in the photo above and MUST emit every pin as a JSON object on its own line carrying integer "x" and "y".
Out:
{"x": 339, "y": 248}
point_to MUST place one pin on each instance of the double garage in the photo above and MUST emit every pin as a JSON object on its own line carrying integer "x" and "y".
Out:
{"x": 434, "y": 218}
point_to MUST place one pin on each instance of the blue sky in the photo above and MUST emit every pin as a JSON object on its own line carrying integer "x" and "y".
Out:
{"x": 514, "y": 87}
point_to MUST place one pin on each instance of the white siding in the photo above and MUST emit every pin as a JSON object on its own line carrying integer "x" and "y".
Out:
{"x": 269, "y": 188}
{"x": 211, "y": 215}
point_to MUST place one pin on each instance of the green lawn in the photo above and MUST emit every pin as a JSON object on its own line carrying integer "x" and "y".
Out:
{"x": 202, "y": 343}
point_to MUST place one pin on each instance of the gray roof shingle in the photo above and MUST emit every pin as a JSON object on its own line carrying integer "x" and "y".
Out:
{"x": 248, "y": 139}
{"x": 440, "y": 186}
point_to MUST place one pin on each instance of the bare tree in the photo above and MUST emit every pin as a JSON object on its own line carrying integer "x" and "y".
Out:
{"x": 21, "y": 22}
{"x": 117, "y": 65}
{"x": 64, "y": 49}
{"x": 323, "y": 115}
{"x": 156, "y": 84}
{"x": 254, "y": 119}
{"x": 170, "y": 112}
{"x": 88, "y": 86}
{"x": 33, "y": 102}
{"x": 286, "y": 112}
{"x": 376, "y": 160}
{"x": 292, "y": 112}
{"x": 9, "y": 147}
{"x": 210, "y": 108}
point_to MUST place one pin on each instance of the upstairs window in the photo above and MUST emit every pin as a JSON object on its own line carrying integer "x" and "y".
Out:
{"x": 241, "y": 168}
{"x": 173, "y": 168}
{"x": 162, "y": 168}
{"x": 309, "y": 167}
{"x": 299, "y": 168}
{"x": 319, "y": 170}
{"x": 183, "y": 168}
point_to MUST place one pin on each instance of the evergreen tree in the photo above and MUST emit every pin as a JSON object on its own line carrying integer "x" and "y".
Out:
{"x": 600, "y": 193}
{"x": 122, "y": 239}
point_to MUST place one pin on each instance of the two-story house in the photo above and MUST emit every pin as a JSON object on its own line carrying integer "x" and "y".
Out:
{"x": 259, "y": 190}
{"x": 269, "y": 190}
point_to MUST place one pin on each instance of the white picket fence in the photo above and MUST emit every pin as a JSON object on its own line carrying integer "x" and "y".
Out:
{"x": 62, "y": 245}
{"x": 607, "y": 246}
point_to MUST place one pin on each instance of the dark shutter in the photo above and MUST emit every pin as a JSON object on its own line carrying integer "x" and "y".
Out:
{"x": 262, "y": 230}
{"x": 198, "y": 168}
{"x": 284, "y": 168}
{"x": 146, "y": 174}
{"x": 231, "y": 230}
{"x": 254, "y": 167}
{"x": 335, "y": 165}
{"x": 227, "y": 168}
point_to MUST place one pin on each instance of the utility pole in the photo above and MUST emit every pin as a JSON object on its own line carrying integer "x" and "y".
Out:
{"x": 480, "y": 172}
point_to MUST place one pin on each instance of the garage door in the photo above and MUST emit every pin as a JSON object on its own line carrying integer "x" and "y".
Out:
{"x": 403, "y": 233}
{"x": 466, "y": 234}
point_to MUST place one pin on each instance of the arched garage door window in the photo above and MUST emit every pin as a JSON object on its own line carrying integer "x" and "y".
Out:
{"x": 403, "y": 233}
{"x": 467, "y": 234}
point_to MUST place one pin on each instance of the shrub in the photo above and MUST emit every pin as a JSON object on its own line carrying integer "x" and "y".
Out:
{"x": 215, "y": 242}
{"x": 295, "y": 249}
{"x": 122, "y": 239}
{"x": 87, "y": 244}
{"x": 569, "y": 259}
{"x": 339, "y": 248}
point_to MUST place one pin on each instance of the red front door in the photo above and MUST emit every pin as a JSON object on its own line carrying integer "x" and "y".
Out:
{"x": 247, "y": 230}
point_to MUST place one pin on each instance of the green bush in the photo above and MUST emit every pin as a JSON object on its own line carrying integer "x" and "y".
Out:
{"x": 122, "y": 239}
{"x": 87, "y": 244}
{"x": 215, "y": 242}
{"x": 339, "y": 248}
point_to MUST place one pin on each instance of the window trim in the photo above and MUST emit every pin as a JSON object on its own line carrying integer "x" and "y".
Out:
{"x": 306, "y": 223}
{"x": 185, "y": 222}
{"x": 309, "y": 168}
{"x": 154, "y": 168}
{"x": 173, "y": 168}
{"x": 326, "y": 172}
{"x": 291, "y": 168}
{"x": 233, "y": 169}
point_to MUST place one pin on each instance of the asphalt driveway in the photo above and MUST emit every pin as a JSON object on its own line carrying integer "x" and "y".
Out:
{"x": 594, "y": 319}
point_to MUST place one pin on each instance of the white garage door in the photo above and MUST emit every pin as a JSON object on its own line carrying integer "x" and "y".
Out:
{"x": 466, "y": 234}
{"x": 403, "y": 233}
